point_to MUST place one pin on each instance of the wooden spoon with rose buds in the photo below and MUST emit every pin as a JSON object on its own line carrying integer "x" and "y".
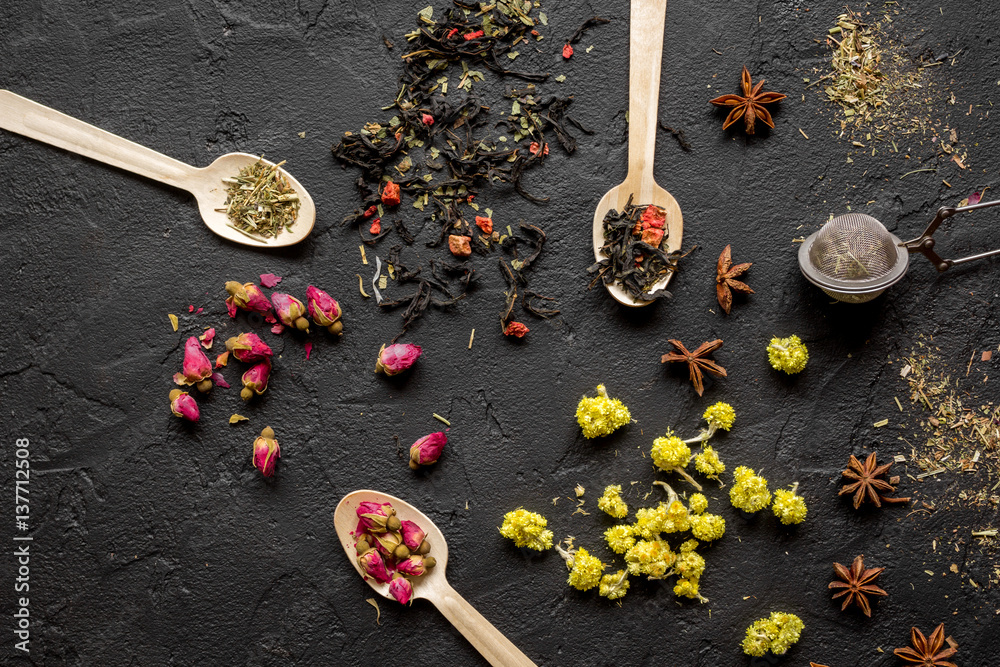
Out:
{"x": 433, "y": 585}
{"x": 645, "y": 53}
{"x": 21, "y": 115}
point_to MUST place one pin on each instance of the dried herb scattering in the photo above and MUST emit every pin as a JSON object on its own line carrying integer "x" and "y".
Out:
{"x": 749, "y": 105}
{"x": 725, "y": 279}
{"x": 260, "y": 201}
{"x": 866, "y": 484}
{"x": 445, "y": 142}
{"x": 697, "y": 361}
{"x": 856, "y": 584}
{"x": 927, "y": 651}
{"x": 636, "y": 251}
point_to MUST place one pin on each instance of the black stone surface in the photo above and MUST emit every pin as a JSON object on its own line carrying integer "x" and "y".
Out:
{"x": 157, "y": 543}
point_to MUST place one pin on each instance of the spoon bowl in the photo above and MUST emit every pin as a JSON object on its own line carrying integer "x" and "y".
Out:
{"x": 433, "y": 585}
{"x": 34, "y": 120}
{"x": 646, "y": 22}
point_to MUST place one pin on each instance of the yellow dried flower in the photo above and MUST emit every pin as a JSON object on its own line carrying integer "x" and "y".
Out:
{"x": 527, "y": 529}
{"x": 749, "y": 493}
{"x": 689, "y": 564}
{"x": 776, "y": 634}
{"x": 789, "y": 507}
{"x": 585, "y": 570}
{"x": 614, "y": 586}
{"x": 720, "y": 415}
{"x": 612, "y": 503}
{"x": 677, "y": 518}
{"x": 787, "y": 354}
{"x": 649, "y": 521}
{"x": 619, "y": 538}
{"x": 697, "y": 503}
{"x": 708, "y": 527}
{"x": 687, "y": 588}
{"x": 708, "y": 463}
{"x": 601, "y": 415}
{"x": 670, "y": 452}
{"x": 650, "y": 557}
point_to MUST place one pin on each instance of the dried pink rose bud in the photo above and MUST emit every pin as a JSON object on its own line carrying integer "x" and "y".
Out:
{"x": 247, "y": 297}
{"x": 248, "y": 347}
{"x": 371, "y": 562}
{"x": 324, "y": 310}
{"x": 376, "y": 517}
{"x": 266, "y": 452}
{"x": 290, "y": 311}
{"x": 401, "y": 589}
{"x": 427, "y": 449}
{"x": 413, "y": 566}
{"x": 397, "y": 358}
{"x": 196, "y": 369}
{"x": 183, "y": 405}
{"x": 413, "y": 535}
{"x": 255, "y": 380}
{"x": 390, "y": 543}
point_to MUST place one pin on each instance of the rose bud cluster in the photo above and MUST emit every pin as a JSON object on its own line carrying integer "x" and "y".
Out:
{"x": 389, "y": 550}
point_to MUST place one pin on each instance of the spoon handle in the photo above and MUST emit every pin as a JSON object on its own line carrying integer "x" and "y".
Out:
{"x": 645, "y": 54}
{"x": 489, "y": 641}
{"x": 21, "y": 115}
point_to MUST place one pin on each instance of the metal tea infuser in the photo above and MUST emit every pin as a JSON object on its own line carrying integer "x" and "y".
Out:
{"x": 854, "y": 258}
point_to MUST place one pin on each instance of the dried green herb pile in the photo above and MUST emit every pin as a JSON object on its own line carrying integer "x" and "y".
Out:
{"x": 635, "y": 245}
{"x": 260, "y": 201}
{"x": 444, "y": 142}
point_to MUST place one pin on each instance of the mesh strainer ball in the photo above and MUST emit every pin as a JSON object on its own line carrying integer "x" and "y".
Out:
{"x": 853, "y": 258}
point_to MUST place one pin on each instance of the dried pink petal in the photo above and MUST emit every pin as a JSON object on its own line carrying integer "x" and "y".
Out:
{"x": 191, "y": 308}
{"x": 266, "y": 452}
{"x": 324, "y": 310}
{"x": 196, "y": 369}
{"x": 248, "y": 347}
{"x": 207, "y": 339}
{"x": 397, "y": 358}
{"x": 975, "y": 198}
{"x": 401, "y": 589}
{"x": 219, "y": 380}
{"x": 427, "y": 449}
{"x": 278, "y": 328}
{"x": 309, "y": 348}
{"x": 269, "y": 280}
{"x": 183, "y": 405}
{"x": 222, "y": 360}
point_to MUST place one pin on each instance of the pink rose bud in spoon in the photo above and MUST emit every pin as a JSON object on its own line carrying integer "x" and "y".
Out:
{"x": 377, "y": 517}
{"x": 255, "y": 380}
{"x": 394, "y": 359}
{"x": 416, "y": 565}
{"x": 290, "y": 311}
{"x": 183, "y": 405}
{"x": 266, "y": 452}
{"x": 246, "y": 297}
{"x": 196, "y": 369}
{"x": 401, "y": 589}
{"x": 324, "y": 310}
{"x": 427, "y": 449}
{"x": 413, "y": 535}
{"x": 248, "y": 347}
{"x": 372, "y": 563}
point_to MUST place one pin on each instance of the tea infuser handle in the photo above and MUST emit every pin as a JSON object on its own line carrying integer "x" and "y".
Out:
{"x": 924, "y": 243}
{"x": 34, "y": 120}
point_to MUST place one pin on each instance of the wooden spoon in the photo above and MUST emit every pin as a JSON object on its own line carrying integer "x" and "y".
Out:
{"x": 645, "y": 53}
{"x": 433, "y": 586}
{"x": 34, "y": 120}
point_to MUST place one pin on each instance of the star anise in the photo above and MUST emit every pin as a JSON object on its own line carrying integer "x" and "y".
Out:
{"x": 866, "y": 485}
{"x": 927, "y": 652}
{"x": 725, "y": 279}
{"x": 697, "y": 361}
{"x": 748, "y": 105}
{"x": 856, "y": 584}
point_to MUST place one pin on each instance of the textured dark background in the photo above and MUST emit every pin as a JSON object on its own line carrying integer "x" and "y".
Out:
{"x": 157, "y": 543}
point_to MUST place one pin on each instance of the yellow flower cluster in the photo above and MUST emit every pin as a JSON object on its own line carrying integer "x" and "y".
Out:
{"x": 708, "y": 527}
{"x": 612, "y": 503}
{"x": 601, "y": 415}
{"x": 614, "y": 586}
{"x": 527, "y": 529}
{"x": 720, "y": 415}
{"x": 775, "y": 634}
{"x": 787, "y": 354}
{"x": 697, "y": 503}
{"x": 585, "y": 570}
{"x": 749, "y": 493}
{"x": 707, "y": 462}
{"x": 676, "y": 519}
{"x": 789, "y": 507}
{"x": 650, "y": 557}
{"x": 689, "y": 567}
{"x": 649, "y": 521}
{"x": 619, "y": 538}
{"x": 670, "y": 452}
